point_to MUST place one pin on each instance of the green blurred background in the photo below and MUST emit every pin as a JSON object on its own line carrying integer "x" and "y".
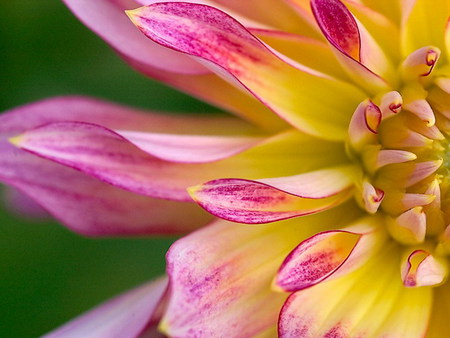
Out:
{"x": 48, "y": 274}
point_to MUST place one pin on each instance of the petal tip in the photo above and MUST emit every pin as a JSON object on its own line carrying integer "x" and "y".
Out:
{"x": 16, "y": 140}
{"x": 133, "y": 15}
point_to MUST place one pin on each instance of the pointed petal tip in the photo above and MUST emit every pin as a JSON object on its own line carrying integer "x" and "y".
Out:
{"x": 16, "y": 140}
{"x": 132, "y": 14}
{"x": 192, "y": 191}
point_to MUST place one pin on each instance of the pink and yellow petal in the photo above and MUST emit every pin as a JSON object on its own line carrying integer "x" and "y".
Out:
{"x": 293, "y": 92}
{"x": 91, "y": 207}
{"x": 330, "y": 254}
{"x": 127, "y": 315}
{"x": 379, "y": 25}
{"x": 220, "y": 276}
{"x": 133, "y": 161}
{"x": 140, "y": 162}
{"x": 368, "y": 302}
{"x": 357, "y": 51}
{"x": 272, "y": 199}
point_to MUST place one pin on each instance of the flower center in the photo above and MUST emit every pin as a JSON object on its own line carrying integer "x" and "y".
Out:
{"x": 400, "y": 140}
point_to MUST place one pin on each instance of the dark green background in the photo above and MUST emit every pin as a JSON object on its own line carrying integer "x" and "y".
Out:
{"x": 48, "y": 274}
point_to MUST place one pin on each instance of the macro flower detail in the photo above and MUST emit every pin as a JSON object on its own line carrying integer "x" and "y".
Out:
{"x": 331, "y": 192}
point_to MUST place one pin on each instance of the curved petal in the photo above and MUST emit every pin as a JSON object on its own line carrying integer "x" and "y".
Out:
{"x": 371, "y": 301}
{"x": 220, "y": 276}
{"x": 125, "y": 316}
{"x": 330, "y": 254}
{"x": 128, "y": 162}
{"x": 107, "y": 19}
{"x": 168, "y": 147}
{"x": 272, "y": 199}
{"x": 379, "y": 25}
{"x": 354, "y": 47}
{"x": 82, "y": 203}
{"x": 89, "y": 206}
{"x": 296, "y": 94}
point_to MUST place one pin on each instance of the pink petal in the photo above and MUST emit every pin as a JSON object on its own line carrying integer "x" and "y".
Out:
{"x": 220, "y": 276}
{"x": 329, "y": 254}
{"x": 268, "y": 200}
{"x": 89, "y": 206}
{"x": 128, "y": 163}
{"x": 82, "y": 203}
{"x": 190, "y": 148}
{"x": 357, "y": 51}
{"x": 369, "y": 302}
{"x": 127, "y": 315}
{"x": 22, "y": 205}
{"x": 230, "y": 50}
{"x": 339, "y": 26}
{"x": 108, "y": 20}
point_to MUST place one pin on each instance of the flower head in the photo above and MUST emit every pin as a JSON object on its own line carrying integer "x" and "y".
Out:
{"x": 333, "y": 197}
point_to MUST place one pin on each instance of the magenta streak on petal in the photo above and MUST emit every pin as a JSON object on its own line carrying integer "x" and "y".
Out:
{"x": 315, "y": 267}
{"x": 254, "y": 202}
{"x": 289, "y": 325}
{"x": 335, "y": 332}
{"x": 338, "y": 25}
{"x": 230, "y": 50}
{"x": 341, "y": 30}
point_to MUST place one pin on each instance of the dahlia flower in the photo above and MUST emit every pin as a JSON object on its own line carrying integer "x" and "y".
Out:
{"x": 327, "y": 197}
